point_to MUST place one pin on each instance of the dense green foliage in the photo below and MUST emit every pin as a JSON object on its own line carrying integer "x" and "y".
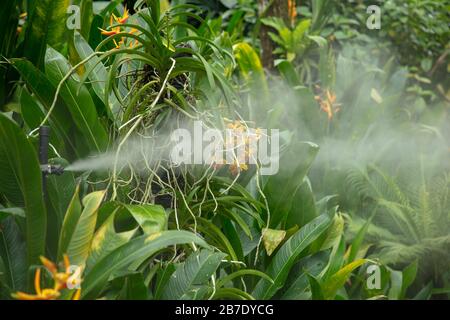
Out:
{"x": 364, "y": 171}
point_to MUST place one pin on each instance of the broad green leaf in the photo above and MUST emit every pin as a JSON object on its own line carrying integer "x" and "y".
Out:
{"x": 163, "y": 277}
{"x": 86, "y": 13}
{"x": 22, "y": 184}
{"x": 229, "y": 230}
{"x": 251, "y": 67}
{"x": 13, "y": 255}
{"x": 80, "y": 242}
{"x": 425, "y": 293}
{"x": 272, "y": 238}
{"x": 78, "y": 101}
{"x": 337, "y": 280}
{"x": 336, "y": 259}
{"x": 7, "y": 212}
{"x": 357, "y": 242}
{"x": 142, "y": 247}
{"x": 60, "y": 190}
{"x": 151, "y": 217}
{"x": 105, "y": 240}
{"x": 31, "y": 111}
{"x": 303, "y": 208}
{"x": 395, "y": 290}
{"x": 300, "y": 30}
{"x": 216, "y": 237}
{"x": 274, "y": 22}
{"x": 409, "y": 275}
{"x": 288, "y": 72}
{"x": 192, "y": 274}
{"x": 299, "y": 286}
{"x": 132, "y": 287}
{"x": 98, "y": 76}
{"x": 294, "y": 165}
{"x": 44, "y": 91}
{"x": 286, "y": 256}
{"x": 45, "y": 26}
{"x": 334, "y": 233}
{"x": 316, "y": 288}
{"x": 71, "y": 218}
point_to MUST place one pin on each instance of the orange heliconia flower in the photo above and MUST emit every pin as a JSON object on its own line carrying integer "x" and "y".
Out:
{"x": 328, "y": 103}
{"x": 60, "y": 282}
{"x": 116, "y": 29}
{"x": 292, "y": 11}
{"x": 123, "y": 18}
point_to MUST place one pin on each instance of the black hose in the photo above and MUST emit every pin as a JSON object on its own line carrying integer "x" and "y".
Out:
{"x": 44, "y": 140}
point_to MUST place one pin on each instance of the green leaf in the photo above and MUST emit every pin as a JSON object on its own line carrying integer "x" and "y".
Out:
{"x": 142, "y": 247}
{"x": 316, "y": 288}
{"x": 290, "y": 176}
{"x": 71, "y": 218}
{"x": 152, "y": 218}
{"x": 7, "y": 212}
{"x": 98, "y": 76}
{"x": 22, "y": 184}
{"x": 86, "y": 13}
{"x": 409, "y": 275}
{"x": 251, "y": 67}
{"x": 192, "y": 274}
{"x": 80, "y": 242}
{"x": 106, "y": 240}
{"x": 286, "y": 256}
{"x": 31, "y": 111}
{"x": 80, "y": 104}
{"x": 357, "y": 242}
{"x": 13, "y": 255}
{"x": 395, "y": 290}
{"x": 60, "y": 190}
{"x": 300, "y": 31}
{"x": 45, "y": 26}
{"x": 288, "y": 72}
{"x": 299, "y": 285}
{"x": 216, "y": 237}
{"x": 133, "y": 287}
{"x": 334, "y": 233}
{"x": 337, "y": 280}
{"x": 303, "y": 208}
{"x": 425, "y": 293}
{"x": 163, "y": 278}
{"x": 44, "y": 91}
{"x": 274, "y": 22}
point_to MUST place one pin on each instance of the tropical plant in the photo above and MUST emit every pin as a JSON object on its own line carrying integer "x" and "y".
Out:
{"x": 124, "y": 222}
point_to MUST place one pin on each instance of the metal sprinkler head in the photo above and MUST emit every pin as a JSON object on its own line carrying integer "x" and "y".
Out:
{"x": 52, "y": 169}
{"x": 46, "y": 168}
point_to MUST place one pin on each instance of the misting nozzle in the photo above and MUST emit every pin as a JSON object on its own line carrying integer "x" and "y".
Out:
{"x": 52, "y": 169}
